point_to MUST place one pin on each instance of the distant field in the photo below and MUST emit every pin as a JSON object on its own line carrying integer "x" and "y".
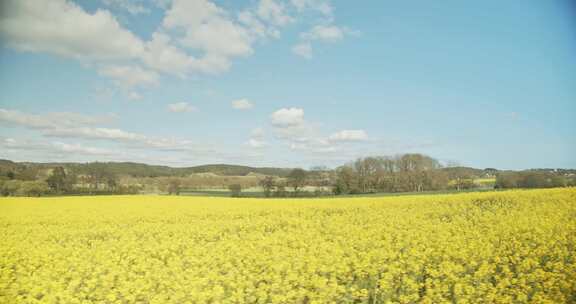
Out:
{"x": 485, "y": 181}
{"x": 488, "y": 247}
{"x": 258, "y": 193}
{"x": 248, "y": 192}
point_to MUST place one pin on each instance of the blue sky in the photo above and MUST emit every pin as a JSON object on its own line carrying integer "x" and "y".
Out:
{"x": 288, "y": 83}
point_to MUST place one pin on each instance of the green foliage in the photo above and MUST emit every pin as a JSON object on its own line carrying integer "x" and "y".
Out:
{"x": 29, "y": 170}
{"x": 345, "y": 181}
{"x": 58, "y": 180}
{"x": 297, "y": 179}
{"x": 33, "y": 188}
{"x": 380, "y": 174}
{"x": 267, "y": 184}
{"x": 280, "y": 191}
{"x": 235, "y": 190}
{"x": 174, "y": 186}
{"x": 403, "y": 173}
{"x": 10, "y": 187}
{"x": 531, "y": 179}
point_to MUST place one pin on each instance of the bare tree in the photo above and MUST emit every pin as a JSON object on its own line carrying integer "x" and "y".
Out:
{"x": 297, "y": 179}
{"x": 174, "y": 185}
{"x": 267, "y": 183}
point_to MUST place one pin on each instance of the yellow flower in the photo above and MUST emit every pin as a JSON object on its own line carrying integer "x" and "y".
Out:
{"x": 493, "y": 247}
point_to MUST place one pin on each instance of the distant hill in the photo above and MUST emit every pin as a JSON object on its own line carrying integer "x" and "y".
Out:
{"x": 8, "y": 164}
{"x": 236, "y": 170}
{"x": 144, "y": 170}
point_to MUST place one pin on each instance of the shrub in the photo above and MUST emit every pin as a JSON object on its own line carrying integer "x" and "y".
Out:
{"x": 235, "y": 190}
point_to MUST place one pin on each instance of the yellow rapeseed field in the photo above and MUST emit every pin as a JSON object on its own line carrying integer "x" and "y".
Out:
{"x": 496, "y": 247}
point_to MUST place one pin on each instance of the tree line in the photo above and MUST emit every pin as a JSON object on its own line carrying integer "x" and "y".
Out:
{"x": 400, "y": 173}
{"x": 534, "y": 179}
{"x": 378, "y": 174}
{"x": 93, "y": 180}
{"x": 408, "y": 173}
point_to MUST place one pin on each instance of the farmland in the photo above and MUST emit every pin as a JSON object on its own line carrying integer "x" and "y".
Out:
{"x": 490, "y": 247}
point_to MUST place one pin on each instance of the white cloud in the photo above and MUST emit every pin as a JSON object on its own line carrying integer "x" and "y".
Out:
{"x": 163, "y": 4}
{"x": 22, "y": 149}
{"x": 256, "y": 140}
{"x": 51, "y": 147}
{"x": 163, "y": 56}
{"x": 45, "y": 26}
{"x": 210, "y": 29}
{"x": 212, "y": 64}
{"x": 95, "y": 133}
{"x": 315, "y": 145}
{"x": 190, "y": 13}
{"x": 63, "y": 28}
{"x": 288, "y": 117}
{"x": 134, "y": 140}
{"x": 242, "y": 104}
{"x": 181, "y": 107}
{"x": 194, "y": 37}
{"x": 327, "y": 33}
{"x": 256, "y": 27}
{"x": 303, "y": 49}
{"x": 133, "y": 7}
{"x": 323, "y": 150}
{"x": 129, "y": 76}
{"x": 324, "y": 33}
{"x": 290, "y": 126}
{"x": 257, "y": 133}
{"x": 273, "y": 12}
{"x": 81, "y": 149}
{"x": 219, "y": 37}
{"x": 51, "y": 120}
{"x": 322, "y": 6}
{"x": 301, "y": 133}
{"x": 349, "y": 136}
{"x": 74, "y": 125}
{"x": 19, "y": 144}
{"x": 134, "y": 96}
{"x": 255, "y": 143}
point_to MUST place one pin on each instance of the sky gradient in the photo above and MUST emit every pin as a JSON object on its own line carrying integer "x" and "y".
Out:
{"x": 288, "y": 83}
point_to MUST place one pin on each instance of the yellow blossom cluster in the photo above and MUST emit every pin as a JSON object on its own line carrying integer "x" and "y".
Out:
{"x": 493, "y": 247}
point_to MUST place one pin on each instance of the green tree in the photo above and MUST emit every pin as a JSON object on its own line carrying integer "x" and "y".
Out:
{"x": 235, "y": 190}
{"x": 174, "y": 185}
{"x": 10, "y": 187}
{"x": 33, "y": 188}
{"x": 280, "y": 190}
{"x": 346, "y": 181}
{"x": 558, "y": 181}
{"x": 57, "y": 181}
{"x": 29, "y": 173}
{"x": 505, "y": 180}
{"x": 297, "y": 179}
{"x": 534, "y": 180}
{"x": 267, "y": 183}
{"x": 111, "y": 182}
